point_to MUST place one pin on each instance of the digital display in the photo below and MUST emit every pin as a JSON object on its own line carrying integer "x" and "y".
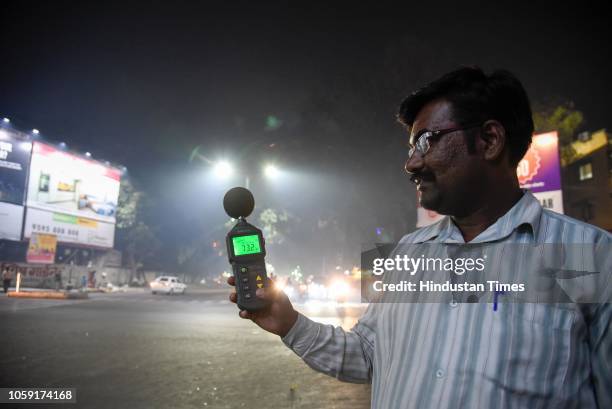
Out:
{"x": 244, "y": 245}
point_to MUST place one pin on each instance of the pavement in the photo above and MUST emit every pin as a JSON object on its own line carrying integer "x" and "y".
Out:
{"x": 139, "y": 350}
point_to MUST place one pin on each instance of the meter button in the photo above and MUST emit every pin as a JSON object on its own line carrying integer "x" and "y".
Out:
{"x": 245, "y": 288}
{"x": 247, "y": 296}
{"x": 244, "y": 269}
{"x": 245, "y": 279}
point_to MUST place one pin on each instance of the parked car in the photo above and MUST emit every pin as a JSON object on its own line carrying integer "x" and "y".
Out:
{"x": 168, "y": 285}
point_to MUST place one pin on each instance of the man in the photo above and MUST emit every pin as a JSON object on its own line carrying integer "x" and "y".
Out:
{"x": 6, "y": 279}
{"x": 58, "y": 280}
{"x": 468, "y": 131}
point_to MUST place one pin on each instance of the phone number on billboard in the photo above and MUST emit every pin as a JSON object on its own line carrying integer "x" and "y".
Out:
{"x": 55, "y": 230}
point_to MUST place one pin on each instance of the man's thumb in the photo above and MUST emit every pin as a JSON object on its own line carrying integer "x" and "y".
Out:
{"x": 268, "y": 294}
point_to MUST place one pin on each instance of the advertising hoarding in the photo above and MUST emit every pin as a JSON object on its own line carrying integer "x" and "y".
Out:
{"x": 41, "y": 249}
{"x": 63, "y": 182}
{"x": 11, "y": 218}
{"x": 539, "y": 171}
{"x": 72, "y": 197}
{"x": 69, "y": 229}
{"x": 14, "y": 160}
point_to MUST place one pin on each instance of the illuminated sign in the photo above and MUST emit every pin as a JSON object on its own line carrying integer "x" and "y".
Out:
{"x": 15, "y": 154}
{"x": 540, "y": 171}
{"x": 14, "y": 159}
{"x": 71, "y": 196}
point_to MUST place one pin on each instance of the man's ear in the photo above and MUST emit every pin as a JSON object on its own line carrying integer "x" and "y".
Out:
{"x": 493, "y": 136}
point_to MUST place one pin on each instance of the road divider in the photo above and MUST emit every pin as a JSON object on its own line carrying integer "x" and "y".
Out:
{"x": 56, "y": 295}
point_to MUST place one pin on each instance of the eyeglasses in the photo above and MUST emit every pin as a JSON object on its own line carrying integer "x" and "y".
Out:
{"x": 422, "y": 140}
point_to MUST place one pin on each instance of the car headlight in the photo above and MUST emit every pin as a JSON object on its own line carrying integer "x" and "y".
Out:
{"x": 289, "y": 290}
{"x": 339, "y": 288}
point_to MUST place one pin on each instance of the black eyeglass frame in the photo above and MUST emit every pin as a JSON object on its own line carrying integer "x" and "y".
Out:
{"x": 423, "y": 137}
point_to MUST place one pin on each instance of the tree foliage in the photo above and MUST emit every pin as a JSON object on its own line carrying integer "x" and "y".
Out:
{"x": 135, "y": 237}
{"x": 561, "y": 118}
{"x": 128, "y": 206}
{"x": 564, "y": 119}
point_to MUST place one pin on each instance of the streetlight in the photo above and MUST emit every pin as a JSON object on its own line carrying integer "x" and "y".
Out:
{"x": 223, "y": 169}
{"x": 6, "y": 120}
{"x": 271, "y": 171}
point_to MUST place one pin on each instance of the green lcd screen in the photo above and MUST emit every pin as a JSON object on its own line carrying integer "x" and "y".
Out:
{"x": 244, "y": 245}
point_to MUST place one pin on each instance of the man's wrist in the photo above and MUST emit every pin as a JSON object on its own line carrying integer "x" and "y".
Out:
{"x": 301, "y": 336}
{"x": 291, "y": 323}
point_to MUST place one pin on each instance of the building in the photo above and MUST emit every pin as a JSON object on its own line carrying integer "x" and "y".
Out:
{"x": 587, "y": 179}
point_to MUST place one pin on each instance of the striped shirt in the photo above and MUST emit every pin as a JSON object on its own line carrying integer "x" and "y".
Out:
{"x": 455, "y": 355}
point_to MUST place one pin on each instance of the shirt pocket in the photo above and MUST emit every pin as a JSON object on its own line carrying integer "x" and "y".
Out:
{"x": 529, "y": 349}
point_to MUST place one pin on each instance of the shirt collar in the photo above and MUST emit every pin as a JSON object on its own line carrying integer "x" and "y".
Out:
{"x": 434, "y": 230}
{"x": 526, "y": 212}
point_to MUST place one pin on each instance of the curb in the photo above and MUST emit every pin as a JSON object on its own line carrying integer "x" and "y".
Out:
{"x": 55, "y": 295}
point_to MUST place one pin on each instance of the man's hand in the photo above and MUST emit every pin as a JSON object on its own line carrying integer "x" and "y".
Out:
{"x": 278, "y": 318}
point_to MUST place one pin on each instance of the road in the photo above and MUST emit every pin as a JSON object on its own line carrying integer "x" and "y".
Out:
{"x": 138, "y": 350}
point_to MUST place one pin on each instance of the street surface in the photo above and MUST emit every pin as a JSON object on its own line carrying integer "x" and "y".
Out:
{"x": 138, "y": 350}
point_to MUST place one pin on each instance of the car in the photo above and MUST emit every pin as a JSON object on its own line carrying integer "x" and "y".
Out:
{"x": 167, "y": 285}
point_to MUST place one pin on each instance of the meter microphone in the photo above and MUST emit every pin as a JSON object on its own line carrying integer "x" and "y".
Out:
{"x": 246, "y": 250}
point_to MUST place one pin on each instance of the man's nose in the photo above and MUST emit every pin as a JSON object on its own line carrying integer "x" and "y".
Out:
{"x": 414, "y": 163}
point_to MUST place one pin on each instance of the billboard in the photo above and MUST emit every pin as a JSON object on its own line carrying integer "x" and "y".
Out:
{"x": 41, "y": 249}
{"x": 72, "y": 197}
{"x": 11, "y": 218}
{"x": 14, "y": 160}
{"x": 539, "y": 171}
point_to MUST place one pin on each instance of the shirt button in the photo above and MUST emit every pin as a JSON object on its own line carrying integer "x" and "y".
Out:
{"x": 453, "y": 304}
{"x": 439, "y": 373}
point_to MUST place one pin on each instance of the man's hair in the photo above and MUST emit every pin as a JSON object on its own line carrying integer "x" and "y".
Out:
{"x": 476, "y": 98}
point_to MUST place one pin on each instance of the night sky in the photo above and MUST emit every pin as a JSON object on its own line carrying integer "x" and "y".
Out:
{"x": 143, "y": 85}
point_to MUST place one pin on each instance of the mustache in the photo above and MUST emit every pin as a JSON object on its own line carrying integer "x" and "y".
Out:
{"x": 416, "y": 178}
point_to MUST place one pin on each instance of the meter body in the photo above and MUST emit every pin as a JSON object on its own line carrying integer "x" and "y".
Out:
{"x": 246, "y": 252}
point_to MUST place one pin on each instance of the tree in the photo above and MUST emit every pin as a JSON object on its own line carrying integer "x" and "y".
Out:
{"x": 128, "y": 206}
{"x": 135, "y": 238}
{"x": 562, "y": 118}
{"x": 141, "y": 243}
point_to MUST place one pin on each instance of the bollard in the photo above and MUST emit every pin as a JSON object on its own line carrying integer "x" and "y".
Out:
{"x": 18, "y": 283}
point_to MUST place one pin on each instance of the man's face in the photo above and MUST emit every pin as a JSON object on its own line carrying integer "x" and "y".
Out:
{"x": 447, "y": 176}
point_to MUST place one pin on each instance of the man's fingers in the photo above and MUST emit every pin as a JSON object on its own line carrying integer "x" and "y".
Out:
{"x": 231, "y": 280}
{"x": 233, "y": 297}
{"x": 246, "y": 315}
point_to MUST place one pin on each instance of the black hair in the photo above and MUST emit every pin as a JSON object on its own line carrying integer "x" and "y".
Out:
{"x": 476, "y": 98}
